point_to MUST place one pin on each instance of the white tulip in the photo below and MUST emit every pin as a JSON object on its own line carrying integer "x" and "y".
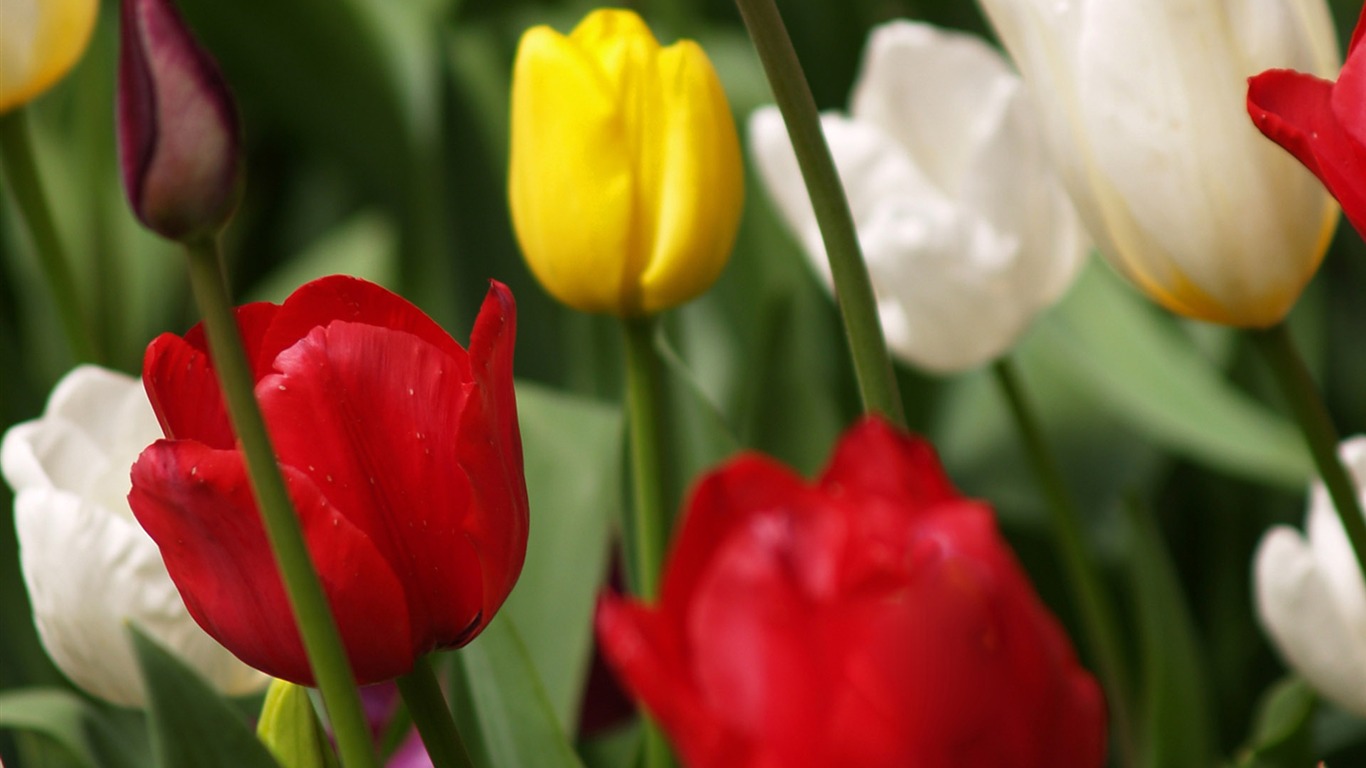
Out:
{"x": 89, "y": 566}
{"x": 966, "y": 233}
{"x": 1311, "y": 598}
{"x": 1144, "y": 107}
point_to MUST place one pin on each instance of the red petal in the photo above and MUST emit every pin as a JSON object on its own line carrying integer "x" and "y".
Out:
{"x": 196, "y": 503}
{"x": 181, "y": 383}
{"x": 874, "y": 460}
{"x": 491, "y": 450}
{"x": 372, "y": 416}
{"x": 339, "y": 297}
{"x": 1296, "y": 111}
{"x": 1357, "y": 32}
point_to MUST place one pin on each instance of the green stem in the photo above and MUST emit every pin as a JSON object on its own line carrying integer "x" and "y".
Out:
{"x": 1083, "y": 575}
{"x": 21, "y": 170}
{"x": 323, "y": 644}
{"x": 644, "y": 529}
{"x": 432, "y": 716}
{"x": 1292, "y": 375}
{"x": 853, "y": 288}
{"x": 645, "y": 526}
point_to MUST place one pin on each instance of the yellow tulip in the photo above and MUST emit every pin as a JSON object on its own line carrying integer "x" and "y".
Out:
{"x": 625, "y": 181}
{"x": 39, "y": 41}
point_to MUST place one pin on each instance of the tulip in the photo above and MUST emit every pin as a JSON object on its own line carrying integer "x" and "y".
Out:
{"x": 400, "y": 451}
{"x": 1310, "y": 597}
{"x": 89, "y": 567}
{"x": 40, "y": 40}
{"x": 966, "y": 232}
{"x": 1317, "y": 121}
{"x": 872, "y": 618}
{"x": 1142, "y": 104}
{"x": 625, "y": 180}
{"x": 178, "y": 134}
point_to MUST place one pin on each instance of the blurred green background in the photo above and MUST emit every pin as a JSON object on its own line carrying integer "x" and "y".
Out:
{"x": 376, "y": 136}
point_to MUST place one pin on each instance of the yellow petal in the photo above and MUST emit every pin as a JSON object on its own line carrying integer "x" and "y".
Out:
{"x": 39, "y": 41}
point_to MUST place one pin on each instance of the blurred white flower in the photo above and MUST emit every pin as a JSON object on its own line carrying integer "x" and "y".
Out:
{"x": 1311, "y": 598}
{"x": 1144, "y": 108}
{"x": 89, "y": 566}
{"x": 966, "y": 233}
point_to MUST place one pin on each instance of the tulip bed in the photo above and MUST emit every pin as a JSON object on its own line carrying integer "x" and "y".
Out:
{"x": 578, "y": 462}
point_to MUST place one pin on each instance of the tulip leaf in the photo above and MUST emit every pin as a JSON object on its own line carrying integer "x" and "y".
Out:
{"x": 1137, "y": 361}
{"x": 84, "y": 731}
{"x": 571, "y": 449}
{"x": 192, "y": 726}
{"x": 290, "y": 729}
{"x": 1177, "y": 723}
{"x": 501, "y": 707}
{"x": 1282, "y": 735}
{"x": 695, "y": 433}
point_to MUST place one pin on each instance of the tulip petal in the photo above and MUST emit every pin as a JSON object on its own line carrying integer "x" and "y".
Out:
{"x": 491, "y": 451}
{"x": 1296, "y": 606}
{"x": 183, "y": 386}
{"x": 874, "y": 460}
{"x": 196, "y": 503}
{"x": 372, "y": 417}
{"x": 40, "y": 41}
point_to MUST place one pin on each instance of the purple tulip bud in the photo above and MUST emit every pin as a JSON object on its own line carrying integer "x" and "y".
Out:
{"x": 178, "y": 133}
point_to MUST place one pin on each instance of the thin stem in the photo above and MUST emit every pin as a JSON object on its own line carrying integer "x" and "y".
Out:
{"x": 853, "y": 288}
{"x": 1083, "y": 575}
{"x": 1292, "y": 375}
{"x": 432, "y": 716}
{"x": 21, "y": 170}
{"x": 645, "y": 526}
{"x": 323, "y": 644}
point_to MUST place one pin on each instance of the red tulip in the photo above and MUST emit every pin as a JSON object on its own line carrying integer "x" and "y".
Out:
{"x": 873, "y": 618}
{"x": 1321, "y": 123}
{"x": 401, "y": 453}
{"x": 178, "y": 135}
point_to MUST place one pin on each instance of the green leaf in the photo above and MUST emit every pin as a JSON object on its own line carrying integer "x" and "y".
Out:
{"x": 501, "y": 707}
{"x": 290, "y": 729}
{"x": 364, "y": 246}
{"x": 695, "y": 434}
{"x": 1177, "y": 725}
{"x": 79, "y": 726}
{"x": 1134, "y": 358}
{"x": 571, "y": 448}
{"x": 192, "y": 726}
{"x": 1282, "y": 736}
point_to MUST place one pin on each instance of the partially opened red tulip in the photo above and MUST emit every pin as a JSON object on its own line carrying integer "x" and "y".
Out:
{"x": 1321, "y": 123}
{"x": 402, "y": 455}
{"x": 178, "y": 134}
{"x": 874, "y": 619}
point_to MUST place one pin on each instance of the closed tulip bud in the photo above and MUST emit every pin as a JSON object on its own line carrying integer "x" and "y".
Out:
{"x": 1310, "y": 597}
{"x": 178, "y": 133}
{"x": 625, "y": 180}
{"x": 1143, "y": 106}
{"x": 40, "y": 40}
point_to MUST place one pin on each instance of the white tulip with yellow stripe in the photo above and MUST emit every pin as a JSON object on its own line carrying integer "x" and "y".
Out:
{"x": 40, "y": 40}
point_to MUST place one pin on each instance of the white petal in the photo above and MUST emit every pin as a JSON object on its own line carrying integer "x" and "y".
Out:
{"x": 1296, "y": 607}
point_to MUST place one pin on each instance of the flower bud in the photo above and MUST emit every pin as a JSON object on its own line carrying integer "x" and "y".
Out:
{"x": 178, "y": 134}
{"x": 40, "y": 40}
{"x": 625, "y": 180}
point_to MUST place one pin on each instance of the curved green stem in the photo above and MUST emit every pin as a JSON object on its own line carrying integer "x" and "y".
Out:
{"x": 432, "y": 716}
{"x": 853, "y": 288}
{"x": 1292, "y": 375}
{"x": 16, "y": 148}
{"x": 1083, "y": 576}
{"x": 321, "y": 640}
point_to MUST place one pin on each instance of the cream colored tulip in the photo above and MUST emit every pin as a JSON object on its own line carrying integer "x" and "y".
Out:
{"x": 625, "y": 182}
{"x": 89, "y": 566}
{"x": 966, "y": 232}
{"x": 1144, "y": 108}
{"x": 1310, "y": 596}
{"x": 39, "y": 41}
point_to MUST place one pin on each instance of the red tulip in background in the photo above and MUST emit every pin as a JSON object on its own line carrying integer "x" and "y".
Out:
{"x": 1321, "y": 123}
{"x": 401, "y": 453}
{"x": 874, "y": 618}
